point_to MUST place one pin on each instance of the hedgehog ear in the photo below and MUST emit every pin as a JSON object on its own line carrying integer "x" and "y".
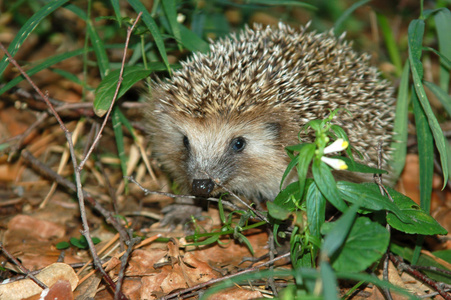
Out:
{"x": 274, "y": 128}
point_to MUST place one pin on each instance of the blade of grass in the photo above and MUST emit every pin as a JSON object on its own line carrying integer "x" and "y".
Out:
{"x": 119, "y": 136}
{"x": 390, "y": 42}
{"x": 399, "y": 144}
{"x": 97, "y": 43}
{"x": 284, "y": 3}
{"x": 415, "y": 37}
{"x": 117, "y": 11}
{"x": 152, "y": 26}
{"x": 441, "y": 95}
{"x": 340, "y": 21}
{"x": 50, "y": 62}
{"x": 170, "y": 10}
{"x": 426, "y": 157}
{"x": 28, "y": 28}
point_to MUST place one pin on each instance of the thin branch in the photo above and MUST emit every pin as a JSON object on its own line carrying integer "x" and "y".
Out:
{"x": 402, "y": 266}
{"x": 124, "y": 260}
{"x": 79, "y": 190}
{"x": 149, "y": 192}
{"x": 22, "y": 268}
{"x": 118, "y": 86}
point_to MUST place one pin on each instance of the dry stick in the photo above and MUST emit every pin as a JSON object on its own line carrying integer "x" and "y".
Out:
{"x": 45, "y": 170}
{"x": 118, "y": 86}
{"x": 68, "y": 135}
{"x": 22, "y": 268}
{"x": 124, "y": 260}
{"x": 149, "y": 192}
{"x": 21, "y": 137}
{"x": 202, "y": 285}
{"x": 117, "y": 294}
{"x": 402, "y": 266}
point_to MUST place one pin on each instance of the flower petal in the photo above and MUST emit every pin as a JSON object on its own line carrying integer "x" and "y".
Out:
{"x": 338, "y": 145}
{"x": 335, "y": 163}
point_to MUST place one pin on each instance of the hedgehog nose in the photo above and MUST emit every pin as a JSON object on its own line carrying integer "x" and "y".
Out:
{"x": 203, "y": 187}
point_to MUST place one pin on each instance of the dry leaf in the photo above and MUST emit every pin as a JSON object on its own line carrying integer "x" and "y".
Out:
{"x": 49, "y": 276}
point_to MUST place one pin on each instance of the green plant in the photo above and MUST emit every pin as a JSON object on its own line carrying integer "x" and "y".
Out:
{"x": 79, "y": 243}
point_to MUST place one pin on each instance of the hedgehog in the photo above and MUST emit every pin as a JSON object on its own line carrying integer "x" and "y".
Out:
{"x": 227, "y": 115}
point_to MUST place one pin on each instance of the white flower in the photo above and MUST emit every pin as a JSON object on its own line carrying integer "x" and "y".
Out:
{"x": 336, "y": 146}
{"x": 335, "y": 163}
{"x": 181, "y": 18}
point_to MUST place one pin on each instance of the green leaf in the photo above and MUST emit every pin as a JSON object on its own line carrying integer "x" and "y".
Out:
{"x": 207, "y": 241}
{"x": 303, "y": 163}
{"x": 421, "y": 222}
{"x": 425, "y": 153}
{"x": 170, "y": 10}
{"x": 277, "y": 212}
{"x": 106, "y": 89}
{"x": 62, "y": 245}
{"x": 339, "y": 231}
{"x": 283, "y": 199}
{"x": 326, "y": 184}
{"x": 99, "y": 49}
{"x": 192, "y": 41}
{"x": 120, "y": 144}
{"x": 366, "y": 243}
{"x": 316, "y": 209}
{"x": 415, "y": 35}
{"x": 153, "y": 28}
{"x": 360, "y": 168}
{"x": 28, "y": 28}
{"x": 330, "y": 286}
{"x": 399, "y": 143}
{"x": 244, "y": 240}
{"x": 443, "y": 59}
{"x": 367, "y": 195}
{"x": 79, "y": 243}
{"x": 117, "y": 10}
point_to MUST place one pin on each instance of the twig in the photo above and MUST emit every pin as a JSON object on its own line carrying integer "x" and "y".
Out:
{"x": 118, "y": 86}
{"x": 22, "y": 268}
{"x": 21, "y": 137}
{"x": 402, "y": 266}
{"x": 48, "y": 172}
{"x": 79, "y": 190}
{"x": 432, "y": 269}
{"x": 124, "y": 260}
{"x": 149, "y": 192}
{"x": 202, "y": 285}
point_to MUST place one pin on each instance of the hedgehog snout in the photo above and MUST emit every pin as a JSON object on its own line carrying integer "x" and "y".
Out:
{"x": 202, "y": 187}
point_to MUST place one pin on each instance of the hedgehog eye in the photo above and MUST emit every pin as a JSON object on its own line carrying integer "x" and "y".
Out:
{"x": 238, "y": 144}
{"x": 186, "y": 142}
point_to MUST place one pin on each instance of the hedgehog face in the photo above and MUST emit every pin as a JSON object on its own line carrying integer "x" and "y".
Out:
{"x": 246, "y": 157}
